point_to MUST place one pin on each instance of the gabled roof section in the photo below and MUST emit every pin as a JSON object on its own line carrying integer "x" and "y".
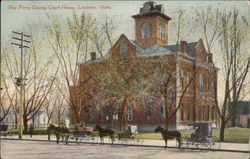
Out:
{"x": 120, "y": 38}
{"x": 191, "y": 48}
{"x": 151, "y": 51}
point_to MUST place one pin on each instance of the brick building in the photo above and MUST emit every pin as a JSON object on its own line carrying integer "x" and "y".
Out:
{"x": 187, "y": 58}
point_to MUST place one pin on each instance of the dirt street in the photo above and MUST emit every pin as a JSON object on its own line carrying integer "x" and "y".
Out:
{"x": 50, "y": 150}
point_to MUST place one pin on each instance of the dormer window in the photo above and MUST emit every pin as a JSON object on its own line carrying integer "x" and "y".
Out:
{"x": 124, "y": 50}
{"x": 146, "y": 30}
{"x": 162, "y": 32}
{"x": 202, "y": 51}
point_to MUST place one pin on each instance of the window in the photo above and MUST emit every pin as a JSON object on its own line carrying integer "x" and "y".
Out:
{"x": 202, "y": 82}
{"x": 204, "y": 113}
{"x": 130, "y": 113}
{"x": 104, "y": 113}
{"x": 90, "y": 112}
{"x": 212, "y": 111}
{"x": 146, "y": 30}
{"x": 211, "y": 87}
{"x": 208, "y": 113}
{"x": 188, "y": 112}
{"x": 182, "y": 79}
{"x": 162, "y": 111}
{"x": 188, "y": 79}
{"x": 182, "y": 112}
{"x": 149, "y": 111}
{"x": 201, "y": 51}
{"x": 124, "y": 50}
{"x": 193, "y": 113}
{"x": 115, "y": 113}
{"x": 162, "y": 32}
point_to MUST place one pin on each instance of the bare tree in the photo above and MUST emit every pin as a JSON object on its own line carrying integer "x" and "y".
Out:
{"x": 235, "y": 65}
{"x": 38, "y": 84}
{"x": 163, "y": 83}
{"x": 4, "y": 110}
{"x": 83, "y": 36}
{"x": 209, "y": 21}
{"x": 227, "y": 29}
{"x": 183, "y": 25}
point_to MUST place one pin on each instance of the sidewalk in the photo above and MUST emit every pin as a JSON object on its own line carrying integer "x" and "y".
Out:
{"x": 171, "y": 143}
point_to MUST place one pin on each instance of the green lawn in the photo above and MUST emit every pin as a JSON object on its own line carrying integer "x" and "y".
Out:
{"x": 233, "y": 135}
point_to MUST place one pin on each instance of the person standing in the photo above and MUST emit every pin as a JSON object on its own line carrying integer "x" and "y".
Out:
{"x": 31, "y": 130}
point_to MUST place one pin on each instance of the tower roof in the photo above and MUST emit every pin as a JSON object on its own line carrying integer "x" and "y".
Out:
{"x": 151, "y": 9}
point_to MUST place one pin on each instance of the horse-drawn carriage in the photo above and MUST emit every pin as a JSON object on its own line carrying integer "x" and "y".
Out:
{"x": 3, "y": 130}
{"x": 130, "y": 136}
{"x": 82, "y": 134}
{"x": 89, "y": 134}
{"x": 202, "y": 137}
{"x": 76, "y": 133}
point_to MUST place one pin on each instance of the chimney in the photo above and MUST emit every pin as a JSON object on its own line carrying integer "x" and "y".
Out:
{"x": 210, "y": 58}
{"x": 93, "y": 55}
{"x": 184, "y": 47}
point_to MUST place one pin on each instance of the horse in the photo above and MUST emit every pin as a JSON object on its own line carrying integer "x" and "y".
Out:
{"x": 59, "y": 132}
{"x": 104, "y": 132}
{"x": 169, "y": 135}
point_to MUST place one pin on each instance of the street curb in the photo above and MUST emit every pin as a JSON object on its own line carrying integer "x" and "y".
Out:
{"x": 129, "y": 145}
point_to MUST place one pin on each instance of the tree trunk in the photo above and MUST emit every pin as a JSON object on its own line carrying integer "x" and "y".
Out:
{"x": 122, "y": 115}
{"x": 33, "y": 121}
{"x": 222, "y": 130}
{"x": 234, "y": 114}
{"x": 166, "y": 118}
{"x": 16, "y": 121}
{"x": 233, "y": 121}
{"x": 25, "y": 124}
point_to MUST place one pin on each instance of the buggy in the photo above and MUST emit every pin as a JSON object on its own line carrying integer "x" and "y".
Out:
{"x": 130, "y": 136}
{"x": 82, "y": 134}
{"x": 3, "y": 130}
{"x": 202, "y": 136}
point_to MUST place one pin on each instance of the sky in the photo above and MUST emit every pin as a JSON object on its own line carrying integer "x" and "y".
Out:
{"x": 18, "y": 15}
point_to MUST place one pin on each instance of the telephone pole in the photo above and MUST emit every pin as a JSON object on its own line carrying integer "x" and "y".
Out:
{"x": 22, "y": 39}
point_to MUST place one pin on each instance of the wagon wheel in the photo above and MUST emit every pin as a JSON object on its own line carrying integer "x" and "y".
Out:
{"x": 215, "y": 143}
{"x": 125, "y": 141}
{"x": 185, "y": 141}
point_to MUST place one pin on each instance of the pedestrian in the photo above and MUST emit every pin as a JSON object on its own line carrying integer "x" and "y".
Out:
{"x": 31, "y": 130}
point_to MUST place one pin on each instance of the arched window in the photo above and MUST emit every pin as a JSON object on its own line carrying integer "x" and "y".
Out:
{"x": 124, "y": 50}
{"x": 162, "y": 32}
{"x": 146, "y": 30}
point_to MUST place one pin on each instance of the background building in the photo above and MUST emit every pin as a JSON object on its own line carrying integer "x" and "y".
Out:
{"x": 243, "y": 114}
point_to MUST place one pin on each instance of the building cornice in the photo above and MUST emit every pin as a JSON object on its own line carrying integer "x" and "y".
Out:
{"x": 196, "y": 62}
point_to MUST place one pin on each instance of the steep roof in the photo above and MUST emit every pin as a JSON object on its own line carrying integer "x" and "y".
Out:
{"x": 153, "y": 50}
{"x": 191, "y": 47}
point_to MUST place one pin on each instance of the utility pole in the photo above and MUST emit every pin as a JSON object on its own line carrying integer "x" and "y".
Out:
{"x": 20, "y": 80}
{"x": 1, "y": 99}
